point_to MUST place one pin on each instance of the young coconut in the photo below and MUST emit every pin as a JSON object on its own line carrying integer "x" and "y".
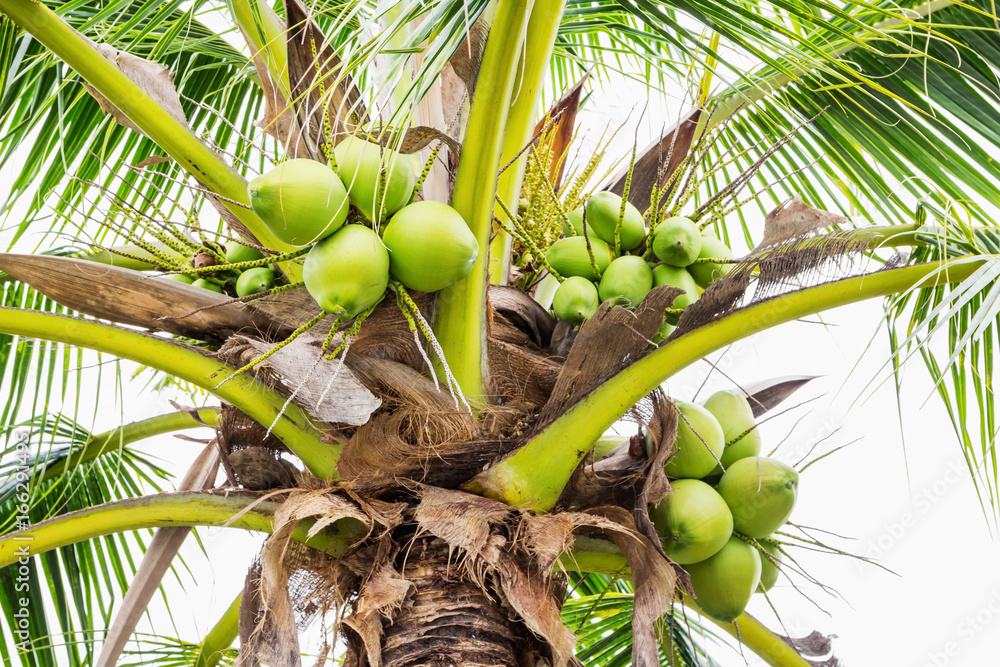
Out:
{"x": 301, "y": 201}
{"x": 664, "y": 274}
{"x": 663, "y": 332}
{"x": 180, "y": 277}
{"x": 254, "y": 281}
{"x": 699, "y": 443}
{"x": 570, "y": 257}
{"x": 692, "y": 521}
{"x": 677, "y": 241}
{"x": 360, "y": 165}
{"x": 207, "y": 284}
{"x": 347, "y": 272}
{"x": 724, "y": 583}
{"x": 575, "y": 300}
{"x": 627, "y": 279}
{"x": 735, "y": 415}
{"x": 430, "y": 246}
{"x": 603, "y": 210}
{"x": 711, "y": 248}
{"x": 237, "y": 252}
{"x": 768, "y": 571}
{"x": 575, "y": 226}
{"x": 761, "y": 494}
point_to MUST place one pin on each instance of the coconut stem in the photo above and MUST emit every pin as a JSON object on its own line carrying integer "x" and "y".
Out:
{"x": 521, "y": 234}
{"x": 741, "y": 436}
{"x": 590, "y": 248}
{"x": 183, "y": 249}
{"x": 621, "y": 209}
{"x": 419, "y": 185}
{"x": 422, "y": 325}
{"x": 243, "y": 266}
{"x": 295, "y": 334}
{"x": 349, "y": 335}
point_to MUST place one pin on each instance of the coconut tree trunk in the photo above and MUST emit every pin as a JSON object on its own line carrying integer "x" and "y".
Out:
{"x": 449, "y": 619}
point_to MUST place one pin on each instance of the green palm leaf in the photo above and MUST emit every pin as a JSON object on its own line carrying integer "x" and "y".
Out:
{"x": 79, "y": 582}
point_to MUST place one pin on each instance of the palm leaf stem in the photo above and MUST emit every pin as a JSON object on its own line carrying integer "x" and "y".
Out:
{"x": 522, "y": 480}
{"x": 460, "y": 323}
{"x": 131, "y": 256}
{"x": 187, "y": 509}
{"x": 533, "y": 67}
{"x": 156, "y": 122}
{"x": 113, "y": 440}
{"x": 255, "y": 398}
{"x": 266, "y": 35}
{"x": 220, "y": 637}
{"x": 755, "y": 636}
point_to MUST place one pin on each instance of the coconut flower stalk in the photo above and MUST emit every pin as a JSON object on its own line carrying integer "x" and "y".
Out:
{"x": 427, "y": 459}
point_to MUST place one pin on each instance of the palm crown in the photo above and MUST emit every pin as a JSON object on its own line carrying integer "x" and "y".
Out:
{"x": 459, "y": 416}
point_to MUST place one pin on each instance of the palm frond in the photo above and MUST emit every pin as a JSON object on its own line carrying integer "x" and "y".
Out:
{"x": 954, "y": 332}
{"x": 168, "y": 652}
{"x": 599, "y": 611}
{"x": 33, "y": 370}
{"x": 927, "y": 130}
{"x": 79, "y": 582}
{"x": 64, "y": 140}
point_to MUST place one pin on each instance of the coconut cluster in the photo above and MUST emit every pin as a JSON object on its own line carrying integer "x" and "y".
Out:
{"x": 363, "y": 228}
{"x": 231, "y": 278}
{"x": 608, "y": 254}
{"x": 725, "y": 501}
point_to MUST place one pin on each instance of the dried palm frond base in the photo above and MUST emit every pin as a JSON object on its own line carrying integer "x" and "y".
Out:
{"x": 444, "y": 578}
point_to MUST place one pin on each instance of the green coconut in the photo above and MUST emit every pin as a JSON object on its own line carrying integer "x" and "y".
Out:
{"x": 570, "y": 257}
{"x": 761, "y": 494}
{"x": 360, "y": 165}
{"x": 237, "y": 252}
{"x": 348, "y": 271}
{"x": 711, "y": 248}
{"x": 677, "y": 241}
{"x": 254, "y": 281}
{"x": 699, "y": 443}
{"x": 674, "y": 276}
{"x": 735, "y": 415}
{"x": 626, "y": 279}
{"x": 607, "y": 443}
{"x": 693, "y": 521}
{"x": 207, "y": 284}
{"x": 663, "y": 332}
{"x": 603, "y": 209}
{"x": 768, "y": 571}
{"x": 300, "y": 201}
{"x": 575, "y": 300}
{"x": 181, "y": 278}
{"x": 430, "y": 246}
{"x": 724, "y": 583}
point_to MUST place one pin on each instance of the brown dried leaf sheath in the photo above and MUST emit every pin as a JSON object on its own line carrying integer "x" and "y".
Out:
{"x": 606, "y": 343}
{"x": 794, "y": 219}
{"x": 657, "y": 162}
{"x": 323, "y": 93}
{"x": 565, "y": 108}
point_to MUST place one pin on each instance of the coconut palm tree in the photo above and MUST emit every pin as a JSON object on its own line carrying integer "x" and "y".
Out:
{"x": 432, "y": 471}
